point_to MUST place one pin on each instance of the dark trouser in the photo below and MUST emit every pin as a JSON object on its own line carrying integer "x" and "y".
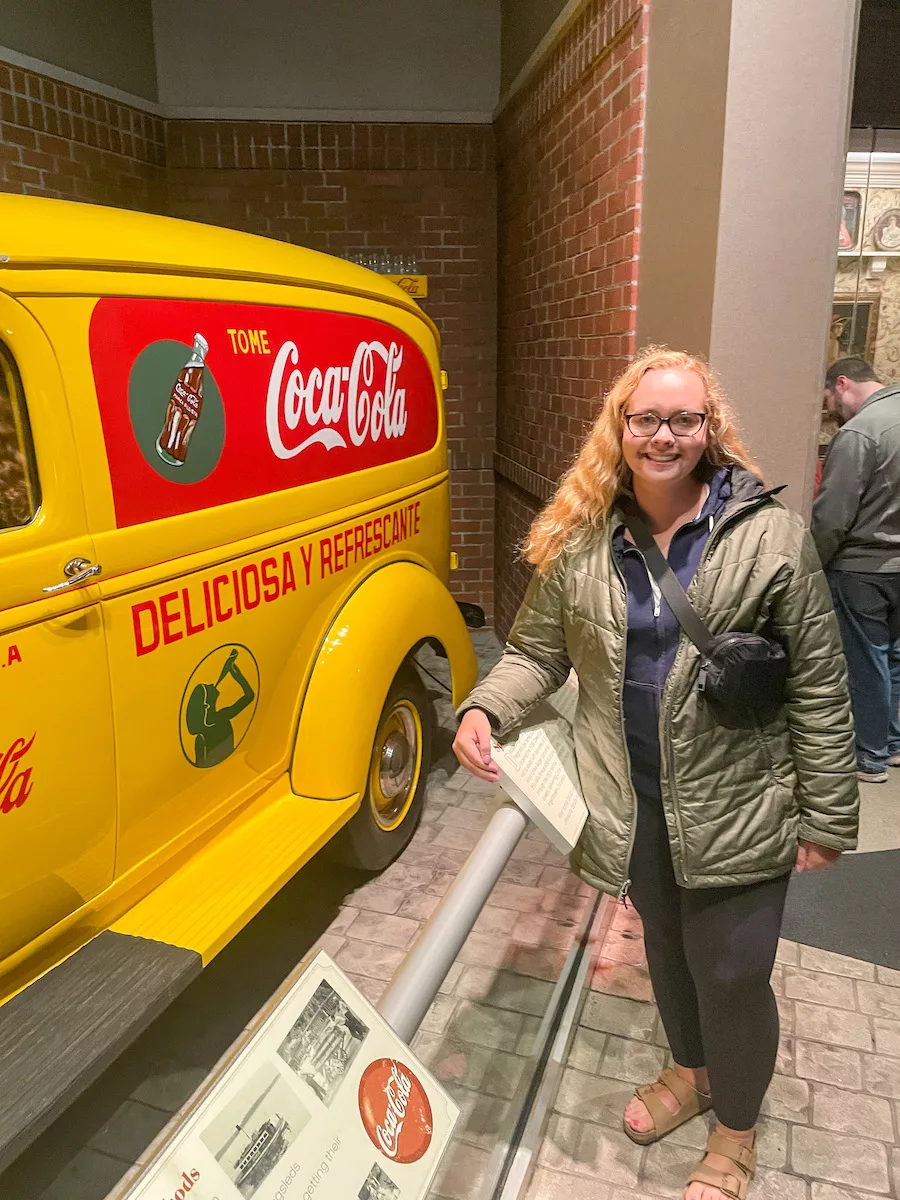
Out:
{"x": 710, "y": 953}
{"x": 868, "y": 612}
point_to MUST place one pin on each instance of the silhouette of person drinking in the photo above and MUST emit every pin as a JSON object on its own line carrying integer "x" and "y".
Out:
{"x": 211, "y": 725}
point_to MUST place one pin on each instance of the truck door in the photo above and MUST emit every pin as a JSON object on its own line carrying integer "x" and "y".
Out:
{"x": 57, "y": 771}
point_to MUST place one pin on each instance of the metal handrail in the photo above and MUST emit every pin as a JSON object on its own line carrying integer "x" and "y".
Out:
{"x": 417, "y": 982}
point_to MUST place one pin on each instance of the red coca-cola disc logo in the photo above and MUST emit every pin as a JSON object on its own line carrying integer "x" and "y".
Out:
{"x": 395, "y": 1110}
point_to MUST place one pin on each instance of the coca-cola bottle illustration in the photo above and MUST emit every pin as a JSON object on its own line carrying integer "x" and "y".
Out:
{"x": 185, "y": 404}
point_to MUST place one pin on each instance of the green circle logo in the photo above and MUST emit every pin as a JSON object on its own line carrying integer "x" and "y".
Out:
{"x": 176, "y": 410}
{"x": 218, "y": 705}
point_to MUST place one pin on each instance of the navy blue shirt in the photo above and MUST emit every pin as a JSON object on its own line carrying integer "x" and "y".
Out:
{"x": 653, "y": 633}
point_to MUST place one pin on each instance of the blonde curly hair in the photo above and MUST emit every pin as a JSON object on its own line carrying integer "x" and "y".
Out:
{"x": 588, "y": 489}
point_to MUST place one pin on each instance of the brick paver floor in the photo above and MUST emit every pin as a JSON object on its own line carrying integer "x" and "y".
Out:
{"x": 831, "y": 1119}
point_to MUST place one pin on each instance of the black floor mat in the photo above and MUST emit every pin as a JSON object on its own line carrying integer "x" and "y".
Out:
{"x": 852, "y": 909}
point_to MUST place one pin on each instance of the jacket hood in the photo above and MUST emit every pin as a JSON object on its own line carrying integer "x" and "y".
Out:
{"x": 745, "y": 486}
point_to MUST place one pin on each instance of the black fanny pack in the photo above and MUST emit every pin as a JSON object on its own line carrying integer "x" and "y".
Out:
{"x": 742, "y": 675}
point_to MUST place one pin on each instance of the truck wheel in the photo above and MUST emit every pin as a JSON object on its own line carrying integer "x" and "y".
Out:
{"x": 398, "y": 769}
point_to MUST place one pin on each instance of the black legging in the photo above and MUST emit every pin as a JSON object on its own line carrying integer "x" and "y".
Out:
{"x": 710, "y": 952}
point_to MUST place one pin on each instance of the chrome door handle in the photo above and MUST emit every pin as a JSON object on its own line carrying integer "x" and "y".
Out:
{"x": 77, "y": 571}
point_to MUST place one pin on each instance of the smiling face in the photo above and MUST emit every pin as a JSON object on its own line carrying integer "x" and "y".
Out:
{"x": 665, "y": 458}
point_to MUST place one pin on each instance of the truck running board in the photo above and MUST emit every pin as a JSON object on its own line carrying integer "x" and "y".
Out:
{"x": 58, "y": 1035}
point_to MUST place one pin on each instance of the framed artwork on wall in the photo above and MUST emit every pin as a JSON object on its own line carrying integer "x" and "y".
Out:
{"x": 886, "y": 233}
{"x": 854, "y": 326}
{"x": 850, "y": 215}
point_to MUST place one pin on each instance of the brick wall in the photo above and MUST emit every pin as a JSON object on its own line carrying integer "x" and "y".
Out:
{"x": 57, "y": 140}
{"x": 569, "y": 152}
{"x": 423, "y": 190}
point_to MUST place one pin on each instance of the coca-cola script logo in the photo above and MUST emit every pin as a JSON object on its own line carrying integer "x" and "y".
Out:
{"x": 395, "y": 1110}
{"x": 15, "y": 777}
{"x": 361, "y": 401}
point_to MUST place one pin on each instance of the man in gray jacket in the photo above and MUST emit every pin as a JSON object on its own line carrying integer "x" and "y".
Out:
{"x": 856, "y": 527}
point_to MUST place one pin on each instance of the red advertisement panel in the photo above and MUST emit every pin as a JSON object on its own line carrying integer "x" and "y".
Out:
{"x": 205, "y": 403}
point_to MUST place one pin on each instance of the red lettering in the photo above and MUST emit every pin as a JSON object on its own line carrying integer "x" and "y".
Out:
{"x": 395, "y": 529}
{"x": 13, "y": 656}
{"x": 179, "y": 1194}
{"x": 378, "y": 529}
{"x": 325, "y": 544}
{"x": 169, "y": 618}
{"x": 237, "y": 592}
{"x": 288, "y": 582}
{"x": 340, "y": 549}
{"x": 188, "y": 619}
{"x": 216, "y": 585}
{"x": 16, "y": 792}
{"x": 403, "y": 529}
{"x": 252, "y": 595}
{"x": 271, "y": 590}
{"x": 15, "y": 785}
{"x": 358, "y": 542}
{"x": 306, "y": 553}
{"x": 368, "y": 549}
{"x": 6, "y": 758}
{"x": 416, "y": 507}
{"x": 195, "y": 1174}
{"x": 142, "y": 646}
{"x": 207, "y": 600}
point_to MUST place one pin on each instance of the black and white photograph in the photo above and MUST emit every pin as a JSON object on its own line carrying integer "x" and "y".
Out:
{"x": 323, "y": 1042}
{"x": 253, "y": 1130}
{"x": 378, "y": 1186}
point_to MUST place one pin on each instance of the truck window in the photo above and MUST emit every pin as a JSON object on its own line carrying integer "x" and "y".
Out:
{"x": 19, "y": 491}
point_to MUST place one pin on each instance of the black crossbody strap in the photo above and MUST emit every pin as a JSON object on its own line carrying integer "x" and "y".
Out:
{"x": 665, "y": 577}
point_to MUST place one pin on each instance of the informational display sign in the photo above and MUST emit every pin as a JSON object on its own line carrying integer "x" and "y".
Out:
{"x": 538, "y": 769}
{"x": 324, "y": 1102}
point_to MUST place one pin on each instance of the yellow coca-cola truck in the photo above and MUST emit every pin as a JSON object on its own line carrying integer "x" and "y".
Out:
{"x": 224, "y": 531}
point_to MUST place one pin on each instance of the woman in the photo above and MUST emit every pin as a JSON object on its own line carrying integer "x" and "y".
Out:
{"x": 700, "y": 823}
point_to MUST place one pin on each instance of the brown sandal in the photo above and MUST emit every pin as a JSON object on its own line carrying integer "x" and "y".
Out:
{"x": 691, "y": 1103}
{"x": 731, "y": 1184}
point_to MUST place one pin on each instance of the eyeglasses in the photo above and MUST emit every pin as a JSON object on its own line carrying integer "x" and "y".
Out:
{"x": 683, "y": 424}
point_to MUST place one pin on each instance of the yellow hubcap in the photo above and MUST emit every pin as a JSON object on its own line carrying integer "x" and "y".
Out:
{"x": 396, "y": 764}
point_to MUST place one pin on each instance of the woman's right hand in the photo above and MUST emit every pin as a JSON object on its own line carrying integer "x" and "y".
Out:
{"x": 472, "y": 745}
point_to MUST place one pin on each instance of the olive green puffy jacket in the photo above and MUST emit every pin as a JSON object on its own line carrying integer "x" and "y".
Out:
{"x": 736, "y": 800}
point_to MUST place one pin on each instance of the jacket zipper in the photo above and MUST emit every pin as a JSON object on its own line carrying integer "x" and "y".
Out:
{"x": 632, "y": 833}
{"x": 715, "y": 537}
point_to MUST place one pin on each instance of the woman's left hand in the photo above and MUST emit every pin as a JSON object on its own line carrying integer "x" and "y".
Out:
{"x": 813, "y": 857}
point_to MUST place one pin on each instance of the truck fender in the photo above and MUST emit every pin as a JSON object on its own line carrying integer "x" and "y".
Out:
{"x": 386, "y": 617}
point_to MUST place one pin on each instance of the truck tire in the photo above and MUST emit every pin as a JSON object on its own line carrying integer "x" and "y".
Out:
{"x": 398, "y": 771}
